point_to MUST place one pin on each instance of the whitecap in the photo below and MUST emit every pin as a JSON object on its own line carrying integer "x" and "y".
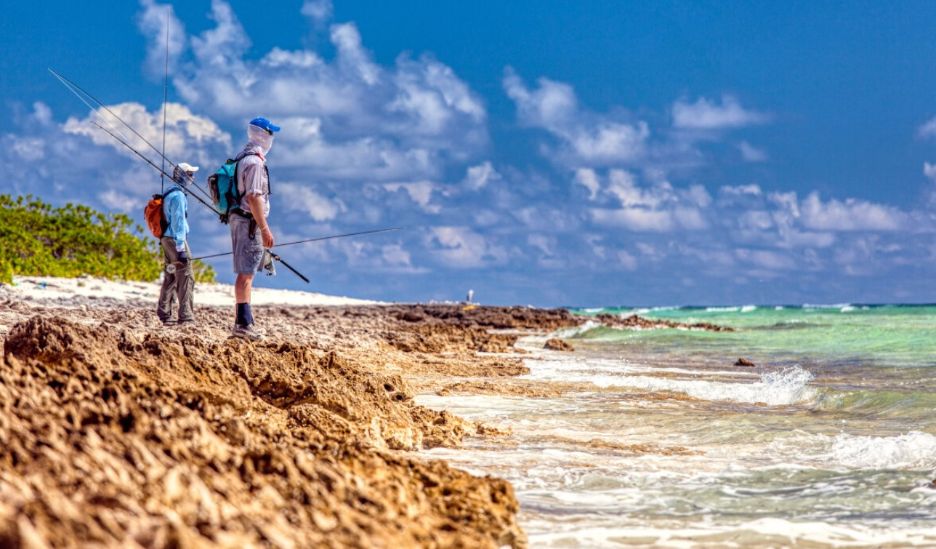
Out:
{"x": 780, "y": 388}
{"x": 573, "y": 331}
{"x": 913, "y": 450}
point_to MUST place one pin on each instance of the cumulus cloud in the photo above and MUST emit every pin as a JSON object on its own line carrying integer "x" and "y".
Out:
{"x": 303, "y": 199}
{"x": 462, "y": 247}
{"x": 704, "y": 114}
{"x": 419, "y": 192}
{"x": 154, "y": 21}
{"x": 347, "y": 117}
{"x": 849, "y": 215}
{"x": 659, "y": 207}
{"x": 586, "y": 139}
{"x": 189, "y": 137}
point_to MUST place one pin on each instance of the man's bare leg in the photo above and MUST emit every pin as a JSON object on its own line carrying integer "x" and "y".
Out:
{"x": 242, "y": 287}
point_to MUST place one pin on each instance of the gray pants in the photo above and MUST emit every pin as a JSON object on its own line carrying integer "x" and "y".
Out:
{"x": 248, "y": 251}
{"x": 178, "y": 286}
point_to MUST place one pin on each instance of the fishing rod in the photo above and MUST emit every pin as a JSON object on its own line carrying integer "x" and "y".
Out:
{"x": 162, "y": 186}
{"x": 312, "y": 240}
{"x": 153, "y": 164}
{"x": 288, "y": 266}
{"x": 78, "y": 91}
{"x": 84, "y": 96}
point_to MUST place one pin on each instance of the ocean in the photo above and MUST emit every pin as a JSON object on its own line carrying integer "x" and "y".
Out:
{"x": 658, "y": 439}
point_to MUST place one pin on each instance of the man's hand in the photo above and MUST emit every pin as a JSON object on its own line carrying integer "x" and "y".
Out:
{"x": 183, "y": 257}
{"x": 267, "y": 236}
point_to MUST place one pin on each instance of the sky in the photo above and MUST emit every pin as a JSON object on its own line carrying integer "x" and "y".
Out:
{"x": 538, "y": 152}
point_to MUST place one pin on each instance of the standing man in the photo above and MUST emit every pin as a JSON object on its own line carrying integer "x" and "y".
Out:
{"x": 250, "y": 230}
{"x": 178, "y": 281}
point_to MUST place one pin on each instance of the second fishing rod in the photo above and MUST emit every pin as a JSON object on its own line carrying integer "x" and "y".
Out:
{"x": 82, "y": 94}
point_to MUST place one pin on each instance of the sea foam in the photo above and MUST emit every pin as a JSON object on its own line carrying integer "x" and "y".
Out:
{"x": 913, "y": 450}
{"x": 783, "y": 387}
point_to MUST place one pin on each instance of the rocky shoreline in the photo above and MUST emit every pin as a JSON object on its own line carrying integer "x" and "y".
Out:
{"x": 116, "y": 431}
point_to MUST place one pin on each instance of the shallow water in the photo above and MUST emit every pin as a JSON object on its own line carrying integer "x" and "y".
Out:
{"x": 831, "y": 440}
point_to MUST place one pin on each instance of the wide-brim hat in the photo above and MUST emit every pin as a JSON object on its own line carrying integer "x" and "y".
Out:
{"x": 188, "y": 168}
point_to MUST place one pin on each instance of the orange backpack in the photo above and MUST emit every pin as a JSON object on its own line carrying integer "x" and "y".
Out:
{"x": 155, "y": 216}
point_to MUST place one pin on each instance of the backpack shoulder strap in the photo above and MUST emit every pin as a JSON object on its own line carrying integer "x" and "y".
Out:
{"x": 170, "y": 191}
{"x": 237, "y": 160}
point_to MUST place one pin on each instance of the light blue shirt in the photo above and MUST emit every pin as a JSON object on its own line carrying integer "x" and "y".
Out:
{"x": 175, "y": 206}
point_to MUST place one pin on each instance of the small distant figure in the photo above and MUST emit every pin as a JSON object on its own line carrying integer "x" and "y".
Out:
{"x": 178, "y": 281}
{"x": 470, "y": 296}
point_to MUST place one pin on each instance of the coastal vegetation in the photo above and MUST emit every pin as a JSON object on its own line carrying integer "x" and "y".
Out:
{"x": 39, "y": 239}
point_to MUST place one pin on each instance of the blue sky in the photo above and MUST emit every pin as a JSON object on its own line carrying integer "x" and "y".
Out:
{"x": 552, "y": 153}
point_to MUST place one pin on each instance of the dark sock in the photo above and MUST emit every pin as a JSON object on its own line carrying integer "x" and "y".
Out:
{"x": 242, "y": 312}
{"x": 248, "y": 314}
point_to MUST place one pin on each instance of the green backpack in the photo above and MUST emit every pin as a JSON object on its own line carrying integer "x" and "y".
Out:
{"x": 223, "y": 188}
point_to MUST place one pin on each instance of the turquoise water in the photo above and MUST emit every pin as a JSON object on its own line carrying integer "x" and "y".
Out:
{"x": 658, "y": 440}
{"x": 886, "y": 335}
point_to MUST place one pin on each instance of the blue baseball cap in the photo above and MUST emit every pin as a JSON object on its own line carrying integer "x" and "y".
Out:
{"x": 264, "y": 123}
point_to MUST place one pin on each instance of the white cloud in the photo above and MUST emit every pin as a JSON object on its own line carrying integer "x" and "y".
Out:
{"x": 750, "y": 153}
{"x": 586, "y": 138}
{"x": 153, "y": 22}
{"x": 42, "y": 113}
{"x": 626, "y": 260}
{"x": 303, "y": 199}
{"x": 461, "y": 247}
{"x": 709, "y": 115}
{"x": 544, "y": 243}
{"x": 587, "y": 178}
{"x": 479, "y": 176}
{"x": 659, "y": 207}
{"x": 635, "y": 219}
{"x": 29, "y": 149}
{"x": 927, "y": 129}
{"x": 419, "y": 192}
{"x": 766, "y": 259}
{"x": 119, "y": 201}
{"x": 929, "y": 170}
{"x": 740, "y": 190}
{"x": 189, "y": 137}
{"x": 849, "y": 215}
{"x": 344, "y": 118}
{"x": 301, "y": 59}
{"x": 319, "y": 11}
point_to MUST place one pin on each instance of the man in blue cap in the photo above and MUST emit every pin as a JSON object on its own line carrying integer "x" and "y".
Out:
{"x": 250, "y": 229}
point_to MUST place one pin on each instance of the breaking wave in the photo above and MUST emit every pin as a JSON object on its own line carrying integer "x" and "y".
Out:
{"x": 913, "y": 450}
{"x": 738, "y": 309}
{"x": 780, "y": 388}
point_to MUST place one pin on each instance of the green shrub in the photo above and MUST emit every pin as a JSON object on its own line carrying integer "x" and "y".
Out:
{"x": 37, "y": 239}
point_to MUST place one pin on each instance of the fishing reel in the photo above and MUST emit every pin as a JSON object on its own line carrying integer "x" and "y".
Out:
{"x": 266, "y": 264}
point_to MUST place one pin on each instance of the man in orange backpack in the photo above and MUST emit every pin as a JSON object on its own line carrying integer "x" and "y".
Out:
{"x": 178, "y": 280}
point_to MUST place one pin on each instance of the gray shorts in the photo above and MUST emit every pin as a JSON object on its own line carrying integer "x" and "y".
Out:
{"x": 248, "y": 252}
